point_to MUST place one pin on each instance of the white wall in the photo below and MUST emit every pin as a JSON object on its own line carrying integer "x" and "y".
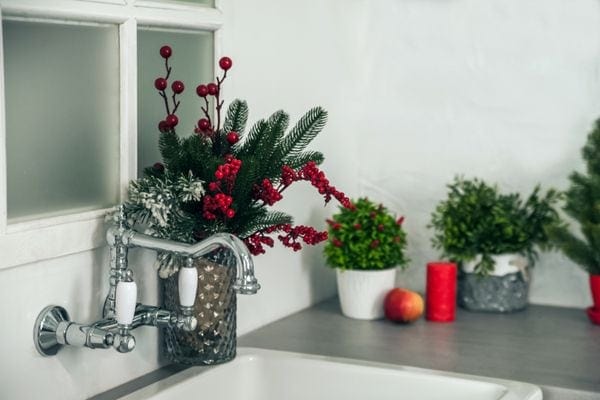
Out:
{"x": 417, "y": 91}
{"x": 504, "y": 90}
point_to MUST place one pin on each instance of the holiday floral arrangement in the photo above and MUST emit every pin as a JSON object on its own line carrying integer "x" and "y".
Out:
{"x": 365, "y": 237}
{"x": 221, "y": 179}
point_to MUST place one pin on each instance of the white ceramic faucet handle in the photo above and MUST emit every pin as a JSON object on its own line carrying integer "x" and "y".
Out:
{"x": 125, "y": 302}
{"x": 188, "y": 285}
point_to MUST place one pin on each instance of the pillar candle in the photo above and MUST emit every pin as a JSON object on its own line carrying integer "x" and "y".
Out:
{"x": 441, "y": 291}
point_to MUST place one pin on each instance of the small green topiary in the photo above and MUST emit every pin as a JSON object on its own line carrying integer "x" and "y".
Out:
{"x": 476, "y": 219}
{"x": 365, "y": 237}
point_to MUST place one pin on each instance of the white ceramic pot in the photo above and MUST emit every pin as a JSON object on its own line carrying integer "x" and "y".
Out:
{"x": 362, "y": 293}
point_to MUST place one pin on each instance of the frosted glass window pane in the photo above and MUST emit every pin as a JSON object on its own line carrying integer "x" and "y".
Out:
{"x": 62, "y": 117}
{"x": 192, "y": 62}
{"x": 210, "y": 3}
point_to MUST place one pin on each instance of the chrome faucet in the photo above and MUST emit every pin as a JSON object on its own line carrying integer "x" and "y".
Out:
{"x": 121, "y": 314}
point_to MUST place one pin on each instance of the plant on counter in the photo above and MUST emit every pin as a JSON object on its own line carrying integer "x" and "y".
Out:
{"x": 221, "y": 179}
{"x": 583, "y": 205}
{"x": 476, "y": 220}
{"x": 365, "y": 237}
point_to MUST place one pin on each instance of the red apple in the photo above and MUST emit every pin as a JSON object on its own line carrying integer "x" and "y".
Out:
{"x": 402, "y": 305}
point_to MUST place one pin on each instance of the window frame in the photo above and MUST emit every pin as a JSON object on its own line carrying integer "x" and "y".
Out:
{"x": 44, "y": 238}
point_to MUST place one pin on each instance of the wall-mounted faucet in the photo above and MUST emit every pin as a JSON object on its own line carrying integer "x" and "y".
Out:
{"x": 53, "y": 328}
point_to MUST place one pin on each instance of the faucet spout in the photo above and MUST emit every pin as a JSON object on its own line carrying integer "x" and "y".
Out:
{"x": 245, "y": 282}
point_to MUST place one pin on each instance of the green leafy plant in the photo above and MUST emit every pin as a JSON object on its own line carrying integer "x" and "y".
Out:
{"x": 365, "y": 237}
{"x": 583, "y": 205}
{"x": 477, "y": 220}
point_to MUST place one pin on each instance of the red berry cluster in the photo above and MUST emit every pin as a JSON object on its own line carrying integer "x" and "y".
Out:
{"x": 308, "y": 234}
{"x": 255, "y": 243}
{"x": 266, "y": 192}
{"x": 228, "y": 171}
{"x": 310, "y": 172}
{"x": 219, "y": 203}
{"x": 288, "y": 175}
{"x": 290, "y": 237}
{"x": 317, "y": 178}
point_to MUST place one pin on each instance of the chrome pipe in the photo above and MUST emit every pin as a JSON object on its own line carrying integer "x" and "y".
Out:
{"x": 245, "y": 282}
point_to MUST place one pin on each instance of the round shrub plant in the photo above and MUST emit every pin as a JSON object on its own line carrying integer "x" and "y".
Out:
{"x": 477, "y": 220}
{"x": 365, "y": 237}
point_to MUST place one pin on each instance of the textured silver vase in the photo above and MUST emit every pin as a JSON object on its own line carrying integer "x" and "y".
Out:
{"x": 502, "y": 294}
{"x": 214, "y": 340}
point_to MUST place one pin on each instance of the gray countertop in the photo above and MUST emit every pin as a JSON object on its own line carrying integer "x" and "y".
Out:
{"x": 556, "y": 348}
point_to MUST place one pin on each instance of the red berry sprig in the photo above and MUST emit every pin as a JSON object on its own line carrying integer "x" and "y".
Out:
{"x": 214, "y": 90}
{"x": 161, "y": 83}
{"x": 310, "y": 172}
{"x": 291, "y": 237}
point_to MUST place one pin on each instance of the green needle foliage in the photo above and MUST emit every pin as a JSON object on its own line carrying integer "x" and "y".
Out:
{"x": 263, "y": 152}
{"x": 583, "y": 205}
{"x": 477, "y": 220}
{"x": 366, "y": 237}
{"x": 223, "y": 178}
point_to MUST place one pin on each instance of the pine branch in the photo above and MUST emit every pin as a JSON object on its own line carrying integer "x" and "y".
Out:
{"x": 248, "y": 175}
{"x": 237, "y": 116}
{"x": 574, "y": 248}
{"x": 583, "y": 198}
{"x": 263, "y": 221}
{"x": 590, "y": 150}
{"x": 301, "y": 159}
{"x": 249, "y": 145}
{"x": 196, "y": 156}
{"x": 278, "y": 122}
{"x": 271, "y": 166}
{"x": 170, "y": 149}
{"x": 307, "y": 128}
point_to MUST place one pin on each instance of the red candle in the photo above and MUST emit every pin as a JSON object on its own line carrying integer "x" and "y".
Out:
{"x": 441, "y": 291}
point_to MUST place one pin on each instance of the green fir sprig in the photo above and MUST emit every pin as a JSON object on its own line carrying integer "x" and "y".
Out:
{"x": 583, "y": 206}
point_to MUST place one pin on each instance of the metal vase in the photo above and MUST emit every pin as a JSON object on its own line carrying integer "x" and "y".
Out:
{"x": 214, "y": 339}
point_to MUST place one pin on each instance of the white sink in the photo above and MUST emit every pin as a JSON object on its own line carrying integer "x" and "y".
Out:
{"x": 257, "y": 374}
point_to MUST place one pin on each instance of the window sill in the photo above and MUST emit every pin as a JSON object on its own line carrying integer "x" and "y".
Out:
{"x": 39, "y": 240}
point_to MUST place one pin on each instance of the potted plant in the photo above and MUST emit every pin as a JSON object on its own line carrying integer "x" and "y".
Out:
{"x": 494, "y": 237}
{"x": 366, "y": 244}
{"x": 221, "y": 178}
{"x": 583, "y": 205}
